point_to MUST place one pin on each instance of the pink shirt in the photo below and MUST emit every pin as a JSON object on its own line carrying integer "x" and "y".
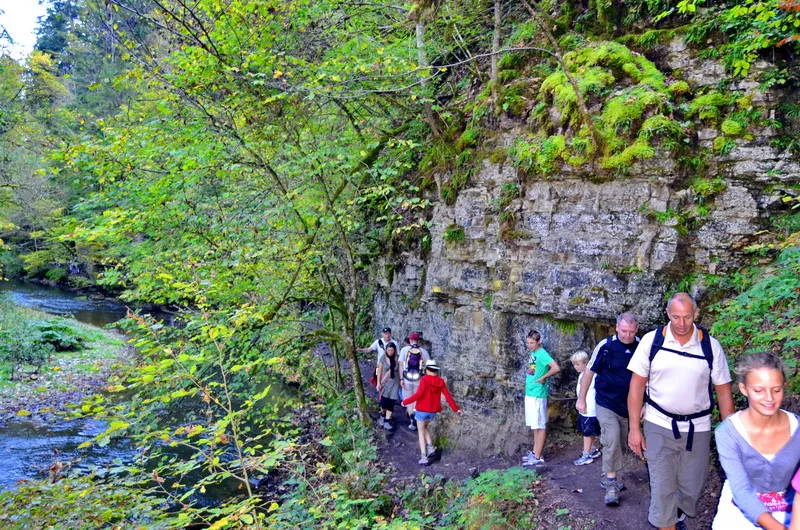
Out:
{"x": 796, "y": 481}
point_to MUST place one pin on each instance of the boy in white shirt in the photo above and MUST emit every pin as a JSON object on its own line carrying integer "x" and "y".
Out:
{"x": 587, "y": 422}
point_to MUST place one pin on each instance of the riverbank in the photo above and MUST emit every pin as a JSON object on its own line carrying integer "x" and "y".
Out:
{"x": 67, "y": 378}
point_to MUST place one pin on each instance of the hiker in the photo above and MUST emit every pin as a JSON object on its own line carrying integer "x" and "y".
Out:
{"x": 388, "y": 385}
{"x": 429, "y": 403}
{"x": 759, "y": 449}
{"x": 541, "y": 367}
{"x": 680, "y": 366}
{"x": 379, "y": 346}
{"x": 608, "y": 370}
{"x": 587, "y": 420}
{"x": 412, "y": 358}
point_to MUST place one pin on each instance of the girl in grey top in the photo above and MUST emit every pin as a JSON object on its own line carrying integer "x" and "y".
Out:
{"x": 759, "y": 449}
{"x": 389, "y": 374}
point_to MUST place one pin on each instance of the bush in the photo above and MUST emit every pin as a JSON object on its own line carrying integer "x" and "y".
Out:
{"x": 31, "y": 343}
{"x": 20, "y": 351}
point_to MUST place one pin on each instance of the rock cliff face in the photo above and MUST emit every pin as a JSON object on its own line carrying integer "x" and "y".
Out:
{"x": 582, "y": 252}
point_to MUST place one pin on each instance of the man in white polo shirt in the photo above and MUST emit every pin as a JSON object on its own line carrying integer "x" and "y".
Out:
{"x": 678, "y": 365}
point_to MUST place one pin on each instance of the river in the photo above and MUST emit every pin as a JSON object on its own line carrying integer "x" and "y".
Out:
{"x": 28, "y": 449}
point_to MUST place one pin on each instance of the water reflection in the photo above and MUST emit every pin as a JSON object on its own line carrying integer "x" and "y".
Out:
{"x": 95, "y": 311}
{"x": 29, "y": 449}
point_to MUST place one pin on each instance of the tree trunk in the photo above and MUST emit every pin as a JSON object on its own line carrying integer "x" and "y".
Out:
{"x": 358, "y": 385}
{"x": 422, "y": 60}
{"x": 498, "y": 16}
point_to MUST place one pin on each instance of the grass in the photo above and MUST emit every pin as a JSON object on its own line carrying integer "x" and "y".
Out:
{"x": 67, "y": 375}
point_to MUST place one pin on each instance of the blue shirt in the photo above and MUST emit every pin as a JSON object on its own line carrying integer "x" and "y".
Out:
{"x": 609, "y": 363}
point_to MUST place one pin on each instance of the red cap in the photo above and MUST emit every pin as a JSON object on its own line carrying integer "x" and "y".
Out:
{"x": 414, "y": 336}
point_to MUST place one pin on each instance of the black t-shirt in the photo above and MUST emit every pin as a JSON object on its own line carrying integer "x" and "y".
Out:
{"x": 612, "y": 377}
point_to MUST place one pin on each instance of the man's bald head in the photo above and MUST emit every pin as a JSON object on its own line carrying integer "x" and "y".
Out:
{"x": 682, "y": 298}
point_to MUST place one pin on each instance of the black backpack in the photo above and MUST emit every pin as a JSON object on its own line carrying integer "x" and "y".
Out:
{"x": 708, "y": 356}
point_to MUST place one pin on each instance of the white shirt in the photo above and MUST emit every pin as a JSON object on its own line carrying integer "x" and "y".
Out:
{"x": 376, "y": 346}
{"x": 591, "y": 406}
{"x": 679, "y": 384}
{"x": 404, "y": 355}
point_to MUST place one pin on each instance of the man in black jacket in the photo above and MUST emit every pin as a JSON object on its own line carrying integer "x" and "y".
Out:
{"x": 609, "y": 367}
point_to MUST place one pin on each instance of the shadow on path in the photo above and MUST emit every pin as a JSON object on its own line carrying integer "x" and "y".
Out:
{"x": 567, "y": 496}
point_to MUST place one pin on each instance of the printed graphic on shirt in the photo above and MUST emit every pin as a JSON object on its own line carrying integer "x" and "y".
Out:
{"x": 532, "y": 365}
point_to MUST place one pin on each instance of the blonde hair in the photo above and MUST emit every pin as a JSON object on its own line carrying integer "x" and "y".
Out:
{"x": 580, "y": 356}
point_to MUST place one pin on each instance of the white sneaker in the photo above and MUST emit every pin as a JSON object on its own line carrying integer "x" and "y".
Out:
{"x": 431, "y": 450}
{"x": 533, "y": 462}
{"x": 528, "y": 457}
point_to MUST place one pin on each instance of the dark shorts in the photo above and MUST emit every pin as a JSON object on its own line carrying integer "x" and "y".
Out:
{"x": 588, "y": 425}
{"x": 388, "y": 403}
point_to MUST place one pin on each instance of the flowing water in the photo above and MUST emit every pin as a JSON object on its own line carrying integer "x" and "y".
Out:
{"x": 28, "y": 449}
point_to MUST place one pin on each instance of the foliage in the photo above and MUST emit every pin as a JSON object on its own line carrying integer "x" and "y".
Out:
{"x": 764, "y": 316}
{"x": 749, "y": 29}
{"x": 75, "y": 503}
{"x": 454, "y": 234}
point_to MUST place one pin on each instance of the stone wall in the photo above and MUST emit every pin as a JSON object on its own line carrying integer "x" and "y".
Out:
{"x": 582, "y": 252}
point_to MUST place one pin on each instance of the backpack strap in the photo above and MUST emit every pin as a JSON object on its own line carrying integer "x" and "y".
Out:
{"x": 658, "y": 342}
{"x": 602, "y": 355}
{"x": 708, "y": 356}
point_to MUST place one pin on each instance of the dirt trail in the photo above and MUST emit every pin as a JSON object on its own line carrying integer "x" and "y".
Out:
{"x": 568, "y": 496}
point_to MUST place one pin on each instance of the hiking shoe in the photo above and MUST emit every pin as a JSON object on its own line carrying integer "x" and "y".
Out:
{"x": 528, "y": 456}
{"x": 612, "y": 495}
{"x": 387, "y": 425}
{"x": 412, "y": 426}
{"x": 381, "y": 420}
{"x": 605, "y": 482}
{"x": 533, "y": 462}
{"x": 585, "y": 459}
{"x": 423, "y": 461}
{"x": 595, "y": 453}
{"x": 430, "y": 449}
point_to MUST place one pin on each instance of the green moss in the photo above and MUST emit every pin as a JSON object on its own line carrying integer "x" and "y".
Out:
{"x": 638, "y": 150}
{"x": 649, "y": 39}
{"x": 505, "y": 76}
{"x": 525, "y": 32}
{"x": 723, "y": 145}
{"x": 732, "y": 128}
{"x": 708, "y": 106}
{"x": 679, "y": 88}
{"x": 510, "y": 61}
{"x": 512, "y": 98}
{"x": 498, "y": 155}
{"x": 539, "y": 155}
{"x": 469, "y": 138}
{"x": 667, "y": 131}
{"x": 438, "y": 158}
{"x": 622, "y": 111}
{"x": 614, "y": 57}
{"x": 745, "y": 102}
